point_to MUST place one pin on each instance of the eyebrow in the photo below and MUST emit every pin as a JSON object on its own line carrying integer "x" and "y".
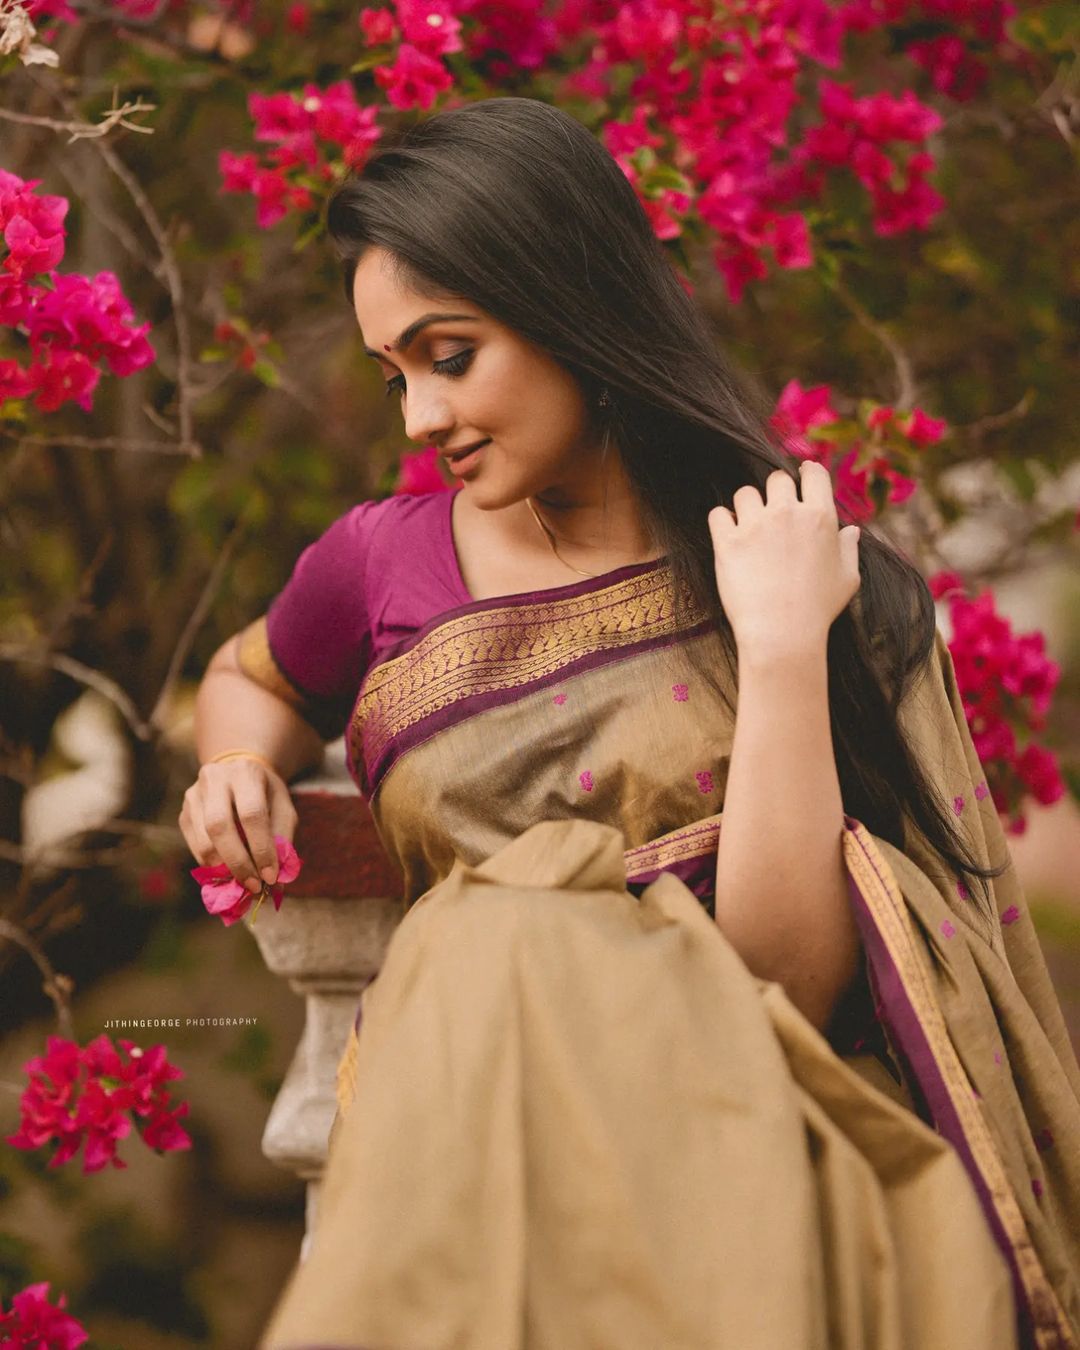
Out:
{"x": 406, "y": 336}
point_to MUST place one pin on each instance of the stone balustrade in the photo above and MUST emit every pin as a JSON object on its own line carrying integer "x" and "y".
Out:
{"x": 327, "y": 940}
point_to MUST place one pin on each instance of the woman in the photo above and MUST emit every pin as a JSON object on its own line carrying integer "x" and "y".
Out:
{"x": 625, "y": 1079}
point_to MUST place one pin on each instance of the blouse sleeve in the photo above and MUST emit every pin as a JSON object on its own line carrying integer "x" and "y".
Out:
{"x": 313, "y": 646}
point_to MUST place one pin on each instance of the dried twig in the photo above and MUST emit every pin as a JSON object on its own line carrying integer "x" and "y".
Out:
{"x": 907, "y": 390}
{"x": 114, "y": 116}
{"x": 192, "y": 450}
{"x": 992, "y": 421}
{"x": 195, "y": 621}
{"x": 58, "y": 987}
{"x": 80, "y": 183}
{"x": 64, "y": 857}
{"x": 173, "y": 281}
{"x": 93, "y": 679}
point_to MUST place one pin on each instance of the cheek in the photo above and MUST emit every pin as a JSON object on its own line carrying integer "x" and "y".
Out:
{"x": 541, "y": 399}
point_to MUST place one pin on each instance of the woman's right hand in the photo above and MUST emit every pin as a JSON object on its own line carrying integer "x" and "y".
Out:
{"x": 233, "y": 801}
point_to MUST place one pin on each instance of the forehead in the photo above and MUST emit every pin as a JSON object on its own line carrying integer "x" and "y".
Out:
{"x": 386, "y": 301}
{"x": 377, "y": 283}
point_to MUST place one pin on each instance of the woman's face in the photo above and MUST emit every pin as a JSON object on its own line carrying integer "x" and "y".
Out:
{"x": 464, "y": 377}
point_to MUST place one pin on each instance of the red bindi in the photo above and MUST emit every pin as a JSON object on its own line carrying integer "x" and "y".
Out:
{"x": 386, "y": 346}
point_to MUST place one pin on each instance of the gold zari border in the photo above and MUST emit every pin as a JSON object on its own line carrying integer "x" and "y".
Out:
{"x": 689, "y": 841}
{"x": 256, "y": 661}
{"x": 879, "y": 889}
{"x": 496, "y": 649}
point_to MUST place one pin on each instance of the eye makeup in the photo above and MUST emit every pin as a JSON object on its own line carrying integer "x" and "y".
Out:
{"x": 452, "y": 366}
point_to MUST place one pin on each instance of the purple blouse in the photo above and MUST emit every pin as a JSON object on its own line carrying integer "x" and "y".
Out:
{"x": 379, "y": 573}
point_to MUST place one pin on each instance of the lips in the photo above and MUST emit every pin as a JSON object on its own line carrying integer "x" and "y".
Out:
{"x": 454, "y": 455}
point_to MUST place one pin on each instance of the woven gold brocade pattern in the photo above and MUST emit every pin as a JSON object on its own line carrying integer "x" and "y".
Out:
{"x": 879, "y": 889}
{"x": 506, "y": 647}
{"x": 692, "y": 841}
{"x": 256, "y": 661}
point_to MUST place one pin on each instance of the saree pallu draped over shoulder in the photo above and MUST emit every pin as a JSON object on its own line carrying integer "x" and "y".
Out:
{"x": 570, "y": 1118}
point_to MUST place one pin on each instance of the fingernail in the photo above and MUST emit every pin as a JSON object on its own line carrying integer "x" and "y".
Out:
{"x": 268, "y": 874}
{"x": 253, "y": 884}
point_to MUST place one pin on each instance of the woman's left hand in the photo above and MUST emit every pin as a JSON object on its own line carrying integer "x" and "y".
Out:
{"x": 784, "y": 568}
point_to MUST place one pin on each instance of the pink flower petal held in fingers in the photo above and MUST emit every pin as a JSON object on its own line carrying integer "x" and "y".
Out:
{"x": 230, "y": 900}
{"x": 288, "y": 861}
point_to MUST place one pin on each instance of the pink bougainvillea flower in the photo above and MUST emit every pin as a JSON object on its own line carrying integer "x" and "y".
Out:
{"x": 800, "y": 410}
{"x": 941, "y": 583}
{"x": 32, "y": 1321}
{"x": 378, "y": 25}
{"x": 91, "y": 1095}
{"x": 230, "y": 899}
{"x": 430, "y": 25}
{"x": 32, "y": 226}
{"x": 419, "y": 472}
{"x": 415, "y": 80}
{"x": 1006, "y": 682}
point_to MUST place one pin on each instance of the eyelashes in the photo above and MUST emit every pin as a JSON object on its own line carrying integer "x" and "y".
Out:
{"x": 452, "y": 365}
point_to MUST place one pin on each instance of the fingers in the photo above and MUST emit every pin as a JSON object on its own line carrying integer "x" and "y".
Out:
{"x": 721, "y": 520}
{"x": 747, "y": 502}
{"x": 816, "y": 484}
{"x": 252, "y": 806}
{"x": 221, "y": 817}
{"x": 779, "y": 487}
{"x": 849, "y": 548}
{"x": 193, "y": 830}
{"x": 282, "y": 816}
{"x": 231, "y": 814}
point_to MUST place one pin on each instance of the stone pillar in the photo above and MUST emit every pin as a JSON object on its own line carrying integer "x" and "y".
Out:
{"x": 327, "y": 940}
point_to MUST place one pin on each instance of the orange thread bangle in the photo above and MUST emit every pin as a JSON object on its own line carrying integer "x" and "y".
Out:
{"x": 245, "y": 754}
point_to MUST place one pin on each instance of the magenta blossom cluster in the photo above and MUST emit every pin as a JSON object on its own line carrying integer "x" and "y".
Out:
{"x": 872, "y": 455}
{"x": 33, "y": 1323}
{"x": 230, "y": 899}
{"x": 306, "y": 129}
{"x": 1006, "y": 681}
{"x": 91, "y": 1094}
{"x": 71, "y": 325}
{"x": 710, "y": 144}
{"x": 966, "y": 31}
{"x": 855, "y": 133}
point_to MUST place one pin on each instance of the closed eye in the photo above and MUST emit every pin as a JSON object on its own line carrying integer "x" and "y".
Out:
{"x": 451, "y": 365}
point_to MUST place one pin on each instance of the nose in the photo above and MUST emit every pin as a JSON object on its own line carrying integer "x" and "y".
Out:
{"x": 427, "y": 413}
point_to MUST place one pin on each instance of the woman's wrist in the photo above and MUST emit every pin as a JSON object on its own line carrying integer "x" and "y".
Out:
{"x": 770, "y": 650}
{"x": 240, "y": 753}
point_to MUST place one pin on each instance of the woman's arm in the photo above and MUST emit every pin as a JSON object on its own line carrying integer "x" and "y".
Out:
{"x": 232, "y": 712}
{"x": 785, "y": 570}
{"x": 781, "y": 892}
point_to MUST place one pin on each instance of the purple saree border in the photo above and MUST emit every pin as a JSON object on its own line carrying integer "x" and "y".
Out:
{"x": 495, "y": 605}
{"x": 370, "y": 778}
{"x": 697, "y": 871}
{"x": 898, "y": 1013}
{"x": 520, "y": 600}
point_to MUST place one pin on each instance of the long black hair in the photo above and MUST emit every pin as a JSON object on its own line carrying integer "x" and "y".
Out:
{"x": 515, "y": 206}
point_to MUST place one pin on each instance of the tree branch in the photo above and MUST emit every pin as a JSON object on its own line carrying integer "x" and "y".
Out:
{"x": 58, "y": 987}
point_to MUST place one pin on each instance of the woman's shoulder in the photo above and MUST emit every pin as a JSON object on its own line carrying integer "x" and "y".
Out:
{"x": 382, "y": 524}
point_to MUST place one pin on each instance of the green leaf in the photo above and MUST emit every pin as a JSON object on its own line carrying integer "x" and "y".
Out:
{"x": 308, "y": 236}
{"x": 267, "y": 372}
{"x": 379, "y": 57}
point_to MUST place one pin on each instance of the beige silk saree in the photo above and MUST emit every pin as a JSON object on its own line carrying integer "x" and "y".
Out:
{"x": 570, "y": 1116}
